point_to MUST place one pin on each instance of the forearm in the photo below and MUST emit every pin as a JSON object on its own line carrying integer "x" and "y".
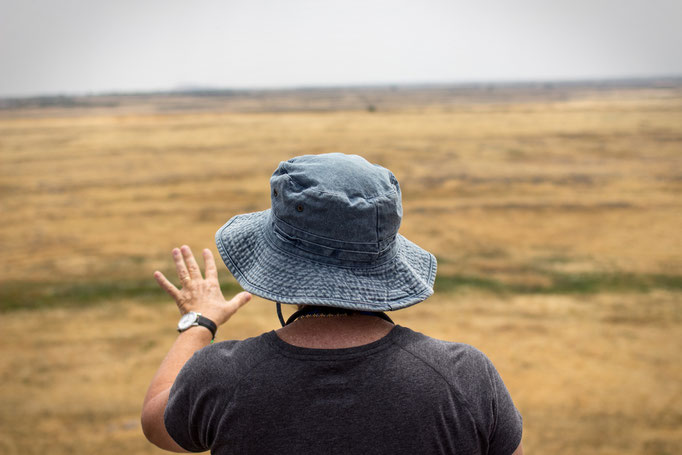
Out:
{"x": 186, "y": 344}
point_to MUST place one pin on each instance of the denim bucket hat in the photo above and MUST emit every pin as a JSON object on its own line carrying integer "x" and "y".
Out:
{"x": 330, "y": 239}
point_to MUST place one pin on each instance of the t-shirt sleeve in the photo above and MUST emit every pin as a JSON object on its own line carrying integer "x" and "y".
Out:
{"x": 194, "y": 404}
{"x": 507, "y": 423}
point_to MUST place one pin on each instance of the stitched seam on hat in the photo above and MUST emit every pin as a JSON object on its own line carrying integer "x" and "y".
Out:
{"x": 327, "y": 264}
{"x": 358, "y": 252}
{"x": 320, "y": 236}
{"x": 364, "y": 267}
{"x": 371, "y": 306}
{"x": 268, "y": 294}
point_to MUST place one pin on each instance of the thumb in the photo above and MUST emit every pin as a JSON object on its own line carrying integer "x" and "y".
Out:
{"x": 240, "y": 299}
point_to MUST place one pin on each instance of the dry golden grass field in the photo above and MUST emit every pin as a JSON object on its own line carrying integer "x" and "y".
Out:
{"x": 555, "y": 214}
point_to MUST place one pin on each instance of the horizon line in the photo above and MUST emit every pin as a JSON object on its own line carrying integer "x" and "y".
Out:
{"x": 189, "y": 89}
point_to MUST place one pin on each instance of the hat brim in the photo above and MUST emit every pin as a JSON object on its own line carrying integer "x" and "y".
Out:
{"x": 271, "y": 273}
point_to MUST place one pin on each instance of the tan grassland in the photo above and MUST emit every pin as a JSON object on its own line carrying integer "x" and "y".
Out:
{"x": 555, "y": 217}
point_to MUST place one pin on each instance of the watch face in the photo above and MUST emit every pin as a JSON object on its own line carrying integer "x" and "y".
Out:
{"x": 187, "y": 321}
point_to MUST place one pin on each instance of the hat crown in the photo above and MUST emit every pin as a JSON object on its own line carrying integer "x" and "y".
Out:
{"x": 336, "y": 201}
{"x": 331, "y": 239}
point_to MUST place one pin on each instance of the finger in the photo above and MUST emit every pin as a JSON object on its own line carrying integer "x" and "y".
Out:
{"x": 209, "y": 263}
{"x": 180, "y": 266}
{"x": 192, "y": 266}
{"x": 166, "y": 285}
{"x": 240, "y": 300}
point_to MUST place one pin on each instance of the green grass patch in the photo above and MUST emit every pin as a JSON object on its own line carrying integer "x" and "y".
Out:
{"x": 31, "y": 295}
{"x": 564, "y": 283}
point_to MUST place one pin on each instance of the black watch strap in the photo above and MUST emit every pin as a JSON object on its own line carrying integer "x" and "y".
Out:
{"x": 206, "y": 322}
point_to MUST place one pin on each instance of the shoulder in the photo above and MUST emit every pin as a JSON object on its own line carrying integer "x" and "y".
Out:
{"x": 441, "y": 353}
{"x": 470, "y": 374}
{"x": 227, "y": 358}
{"x": 205, "y": 386}
{"x": 234, "y": 347}
{"x": 467, "y": 370}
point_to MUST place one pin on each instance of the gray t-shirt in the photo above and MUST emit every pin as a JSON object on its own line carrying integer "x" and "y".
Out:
{"x": 405, "y": 393}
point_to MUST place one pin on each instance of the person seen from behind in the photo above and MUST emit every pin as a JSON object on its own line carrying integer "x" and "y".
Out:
{"x": 339, "y": 377}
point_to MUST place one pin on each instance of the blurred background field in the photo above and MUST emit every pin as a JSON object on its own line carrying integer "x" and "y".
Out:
{"x": 554, "y": 211}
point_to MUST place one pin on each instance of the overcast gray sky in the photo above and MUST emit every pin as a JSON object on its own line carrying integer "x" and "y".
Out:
{"x": 89, "y": 46}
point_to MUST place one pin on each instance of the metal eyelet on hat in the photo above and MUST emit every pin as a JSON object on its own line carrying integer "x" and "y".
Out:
{"x": 299, "y": 208}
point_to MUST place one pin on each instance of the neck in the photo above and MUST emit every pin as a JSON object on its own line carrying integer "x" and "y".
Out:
{"x": 335, "y": 332}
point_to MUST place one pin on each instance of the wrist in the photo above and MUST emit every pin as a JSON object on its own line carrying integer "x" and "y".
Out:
{"x": 195, "y": 319}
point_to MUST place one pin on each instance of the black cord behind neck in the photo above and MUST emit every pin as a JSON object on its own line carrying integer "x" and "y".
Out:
{"x": 325, "y": 311}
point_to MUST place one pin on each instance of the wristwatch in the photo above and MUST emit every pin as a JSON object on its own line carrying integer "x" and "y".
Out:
{"x": 192, "y": 318}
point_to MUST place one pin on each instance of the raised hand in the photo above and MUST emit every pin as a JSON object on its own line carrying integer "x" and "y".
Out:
{"x": 199, "y": 294}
